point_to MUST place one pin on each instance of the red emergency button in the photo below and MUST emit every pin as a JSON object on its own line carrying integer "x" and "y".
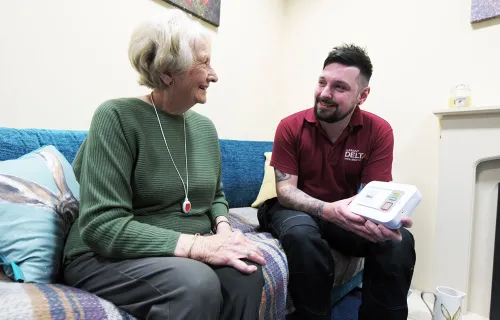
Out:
{"x": 386, "y": 206}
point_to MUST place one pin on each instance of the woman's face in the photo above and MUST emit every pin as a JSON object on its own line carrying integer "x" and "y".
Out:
{"x": 194, "y": 83}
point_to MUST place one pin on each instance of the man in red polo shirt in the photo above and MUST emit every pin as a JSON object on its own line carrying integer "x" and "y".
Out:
{"x": 322, "y": 157}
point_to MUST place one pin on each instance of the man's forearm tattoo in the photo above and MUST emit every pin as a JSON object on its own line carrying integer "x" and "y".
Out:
{"x": 299, "y": 200}
{"x": 281, "y": 176}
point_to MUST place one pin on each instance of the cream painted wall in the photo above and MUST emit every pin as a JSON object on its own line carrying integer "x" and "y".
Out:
{"x": 61, "y": 59}
{"x": 420, "y": 49}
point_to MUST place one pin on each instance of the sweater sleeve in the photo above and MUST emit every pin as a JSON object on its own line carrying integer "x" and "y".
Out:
{"x": 107, "y": 223}
{"x": 220, "y": 206}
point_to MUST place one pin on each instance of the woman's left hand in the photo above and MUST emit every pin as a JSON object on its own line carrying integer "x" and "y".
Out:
{"x": 228, "y": 248}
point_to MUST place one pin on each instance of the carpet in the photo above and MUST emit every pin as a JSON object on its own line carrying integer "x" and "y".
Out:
{"x": 347, "y": 307}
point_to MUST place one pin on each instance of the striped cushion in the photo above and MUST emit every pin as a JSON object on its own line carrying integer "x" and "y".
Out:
{"x": 53, "y": 301}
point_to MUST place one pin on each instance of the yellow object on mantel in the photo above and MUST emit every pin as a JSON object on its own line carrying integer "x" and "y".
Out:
{"x": 460, "y": 96}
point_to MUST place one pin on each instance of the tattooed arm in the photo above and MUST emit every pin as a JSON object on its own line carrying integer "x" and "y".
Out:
{"x": 291, "y": 197}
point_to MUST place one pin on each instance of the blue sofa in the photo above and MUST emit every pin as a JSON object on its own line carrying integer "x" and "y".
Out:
{"x": 243, "y": 170}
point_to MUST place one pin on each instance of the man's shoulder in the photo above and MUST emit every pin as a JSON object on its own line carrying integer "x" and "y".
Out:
{"x": 375, "y": 122}
{"x": 297, "y": 118}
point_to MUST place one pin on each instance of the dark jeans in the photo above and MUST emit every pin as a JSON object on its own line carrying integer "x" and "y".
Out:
{"x": 169, "y": 287}
{"x": 387, "y": 275}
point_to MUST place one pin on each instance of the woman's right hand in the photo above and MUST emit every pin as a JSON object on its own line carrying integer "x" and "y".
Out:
{"x": 228, "y": 249}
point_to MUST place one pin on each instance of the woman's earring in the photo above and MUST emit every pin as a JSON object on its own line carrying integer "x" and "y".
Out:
{"x": 171, "y": 83}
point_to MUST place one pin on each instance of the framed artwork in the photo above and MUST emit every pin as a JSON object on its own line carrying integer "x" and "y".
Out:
{"x": 484, "y": 10}
{"x": 206, "y": 10}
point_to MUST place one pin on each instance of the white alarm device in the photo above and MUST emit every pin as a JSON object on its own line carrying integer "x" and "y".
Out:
{"x": 386, "y": 203}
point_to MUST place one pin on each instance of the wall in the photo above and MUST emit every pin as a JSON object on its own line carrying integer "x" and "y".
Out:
{"x": 420, "y": 49}
{"x": 60, "y": 59}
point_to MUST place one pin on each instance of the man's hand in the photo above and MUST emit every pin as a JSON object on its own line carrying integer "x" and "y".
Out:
{"x": 338, "y": 213}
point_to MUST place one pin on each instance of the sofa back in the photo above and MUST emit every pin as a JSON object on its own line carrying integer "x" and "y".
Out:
{"x": 242, "y": 161}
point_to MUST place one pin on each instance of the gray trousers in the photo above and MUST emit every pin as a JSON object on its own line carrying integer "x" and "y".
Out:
{"x": 169, "y": 287}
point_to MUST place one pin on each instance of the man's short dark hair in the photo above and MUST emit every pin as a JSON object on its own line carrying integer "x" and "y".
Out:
{"x": 351, "y": 55}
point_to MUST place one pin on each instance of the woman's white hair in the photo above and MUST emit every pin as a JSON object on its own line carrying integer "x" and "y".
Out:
{"x": 164, "y": 44}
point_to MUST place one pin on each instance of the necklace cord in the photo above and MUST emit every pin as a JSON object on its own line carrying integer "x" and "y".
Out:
{"x": 185, "y": 186}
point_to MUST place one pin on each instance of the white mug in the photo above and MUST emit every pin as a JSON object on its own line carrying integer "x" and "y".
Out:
{"x": 447, "y": 303}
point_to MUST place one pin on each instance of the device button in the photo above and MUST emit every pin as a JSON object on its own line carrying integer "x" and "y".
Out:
{"x": 386, "y": 206}
{"x": 393, "y": 198}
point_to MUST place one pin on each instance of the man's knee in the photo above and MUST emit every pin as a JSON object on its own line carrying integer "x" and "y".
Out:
{"x": 295, "y": 228}
{"x": 398, "y": 255}
{"x": 300, "y": 236}
{"x": 408, "y": 247}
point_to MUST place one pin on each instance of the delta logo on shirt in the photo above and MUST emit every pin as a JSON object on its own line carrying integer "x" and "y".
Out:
{"x": 354, "y": 155}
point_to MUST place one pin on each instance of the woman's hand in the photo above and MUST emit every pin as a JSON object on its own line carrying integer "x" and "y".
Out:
{"x": 228, "y": 248}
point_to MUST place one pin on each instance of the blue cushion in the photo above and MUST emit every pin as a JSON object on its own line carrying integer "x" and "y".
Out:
{"x": 39, "y": 198}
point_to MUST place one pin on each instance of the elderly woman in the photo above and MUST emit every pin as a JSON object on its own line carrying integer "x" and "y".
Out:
{"x": 153, "y": 235}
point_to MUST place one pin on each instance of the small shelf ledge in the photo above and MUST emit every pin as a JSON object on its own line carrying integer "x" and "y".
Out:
{"x": 467, "y": 111}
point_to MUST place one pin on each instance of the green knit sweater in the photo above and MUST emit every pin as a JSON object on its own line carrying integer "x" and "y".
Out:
{"x": 130, "y": 192}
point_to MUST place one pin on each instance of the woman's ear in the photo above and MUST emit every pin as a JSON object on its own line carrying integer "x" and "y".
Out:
{"x": 167, "y": 79}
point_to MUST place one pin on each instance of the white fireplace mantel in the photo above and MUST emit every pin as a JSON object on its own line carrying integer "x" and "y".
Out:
{"x": 484, "y": 110}
{"x": 469, "y": 136}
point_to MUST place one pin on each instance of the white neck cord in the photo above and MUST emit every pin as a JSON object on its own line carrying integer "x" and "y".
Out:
{"x": 185, "y": 186}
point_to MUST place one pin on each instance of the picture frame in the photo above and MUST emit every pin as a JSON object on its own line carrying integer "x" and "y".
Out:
{"x": 482, "y": 10}
{"x": 206, "y": 10}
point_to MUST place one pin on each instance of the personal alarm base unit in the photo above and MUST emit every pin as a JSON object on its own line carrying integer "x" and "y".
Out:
{"x": 386, "y": 203}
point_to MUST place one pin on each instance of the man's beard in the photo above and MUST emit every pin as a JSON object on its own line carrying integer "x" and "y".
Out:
{"x": 330, "y": 115}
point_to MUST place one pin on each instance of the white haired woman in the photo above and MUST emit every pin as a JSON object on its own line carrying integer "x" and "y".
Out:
{"x": 153, "y": 235}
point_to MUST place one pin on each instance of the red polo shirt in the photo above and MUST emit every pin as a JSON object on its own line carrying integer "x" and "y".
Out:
{"x": 334, "y": 171}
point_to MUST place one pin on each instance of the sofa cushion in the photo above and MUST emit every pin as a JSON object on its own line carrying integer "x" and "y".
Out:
{"x": 39, "y": 198}
{"x": 268, "y": 187}
{"x": 242, "y": 170}
{"x": 54, "y": 301}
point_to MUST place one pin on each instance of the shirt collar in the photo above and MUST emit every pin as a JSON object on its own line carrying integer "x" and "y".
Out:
{"x": 356, "y": 118}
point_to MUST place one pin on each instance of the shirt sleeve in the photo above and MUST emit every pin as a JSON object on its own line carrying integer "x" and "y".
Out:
{"x": 106, "y": 222}
{"x": 284, "y": 156}
{"x": 379, "y": 163}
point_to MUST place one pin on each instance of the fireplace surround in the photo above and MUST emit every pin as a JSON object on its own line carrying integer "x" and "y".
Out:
{"x": 469, "y": 138}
